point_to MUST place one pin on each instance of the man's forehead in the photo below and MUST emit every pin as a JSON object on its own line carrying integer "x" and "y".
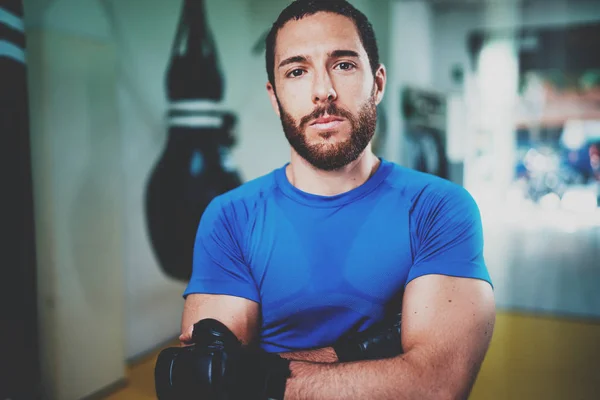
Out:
{"x": 318, "y": 33}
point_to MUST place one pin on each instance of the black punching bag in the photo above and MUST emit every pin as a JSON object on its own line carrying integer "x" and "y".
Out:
{"x": 195, "y": 165}
{"x": 20, "y": 376}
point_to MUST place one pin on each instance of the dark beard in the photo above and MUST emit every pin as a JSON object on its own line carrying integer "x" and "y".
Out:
{"x": 332, "y": 157}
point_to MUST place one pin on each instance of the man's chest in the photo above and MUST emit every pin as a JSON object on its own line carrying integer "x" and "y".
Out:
{"x": 332, "y": 262}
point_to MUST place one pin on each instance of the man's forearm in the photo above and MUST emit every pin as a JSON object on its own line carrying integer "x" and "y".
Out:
{"x": 393, "y": 378}
{"x": 324, "y": 355}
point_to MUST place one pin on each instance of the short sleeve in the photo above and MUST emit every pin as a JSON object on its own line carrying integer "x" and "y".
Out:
{"x": 218, "y": 262}
{"x": 447, "y": 234}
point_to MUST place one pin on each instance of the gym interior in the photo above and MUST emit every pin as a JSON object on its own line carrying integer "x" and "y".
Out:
{"x": 501, "y": 97}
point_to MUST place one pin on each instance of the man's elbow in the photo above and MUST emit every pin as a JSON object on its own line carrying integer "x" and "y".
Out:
{"x": 446, "y": 380}
{"x": 459, "y": 384}
{"x": 454, "y": 394}
{"x": 434, "y": 377}
{"x": 450, "y": 391}
{"x": 449, "y": 395}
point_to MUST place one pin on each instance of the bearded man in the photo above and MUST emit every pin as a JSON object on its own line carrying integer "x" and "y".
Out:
{"x": 291, "y": 268}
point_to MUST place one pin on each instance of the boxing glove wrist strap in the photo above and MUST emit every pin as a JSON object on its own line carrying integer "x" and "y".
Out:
{"x": 269, "y": 372}
{"x": 382, "y": 340}
{"x": 275, "y": 383}
{"x": 348, "y": 350}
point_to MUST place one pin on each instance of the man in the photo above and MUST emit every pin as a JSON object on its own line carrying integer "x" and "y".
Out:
{"x": 325, "y": 244}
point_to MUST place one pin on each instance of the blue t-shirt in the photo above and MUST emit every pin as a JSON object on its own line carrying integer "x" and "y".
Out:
{"x": 321, "y": 266}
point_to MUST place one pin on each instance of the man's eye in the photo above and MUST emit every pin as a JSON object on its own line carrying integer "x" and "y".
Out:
{"x": 295, "y": 73}
{"x": 345, "y": 66}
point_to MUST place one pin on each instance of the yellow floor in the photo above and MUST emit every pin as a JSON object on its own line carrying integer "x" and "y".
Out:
{"x": 530, "y": 358}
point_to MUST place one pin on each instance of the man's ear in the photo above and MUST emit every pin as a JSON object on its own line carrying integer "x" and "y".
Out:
{"x": 380, "y": 81}
{"x": 273, "y": 98}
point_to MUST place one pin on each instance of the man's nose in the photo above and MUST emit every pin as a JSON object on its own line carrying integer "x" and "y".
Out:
{"x": 323, "y": 90}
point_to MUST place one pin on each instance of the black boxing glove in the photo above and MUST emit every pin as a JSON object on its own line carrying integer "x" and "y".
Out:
{"x": 381, "y": 340}
{"x": 218, "y": 367}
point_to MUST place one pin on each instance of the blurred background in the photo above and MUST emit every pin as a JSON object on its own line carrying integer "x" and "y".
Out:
{"x": 121, "y": 119}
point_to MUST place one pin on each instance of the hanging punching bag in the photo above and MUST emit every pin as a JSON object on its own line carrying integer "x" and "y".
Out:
{"x": 195, "y": 165}
{"x": 20, "y": 375}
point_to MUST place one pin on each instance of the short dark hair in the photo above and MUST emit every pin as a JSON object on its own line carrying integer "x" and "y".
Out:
{"x": 302, "y": 8}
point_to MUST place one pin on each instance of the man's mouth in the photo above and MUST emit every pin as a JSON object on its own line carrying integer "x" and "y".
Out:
{"x": 326, "y": 122}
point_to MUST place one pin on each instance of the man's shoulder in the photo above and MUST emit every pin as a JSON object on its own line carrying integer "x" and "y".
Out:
{"x": 247, "y": 194}
{"x": 415, "y": 183}
{"x": 427, "y": 190}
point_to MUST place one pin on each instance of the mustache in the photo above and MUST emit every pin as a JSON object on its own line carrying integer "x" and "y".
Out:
{"x": 331, "y": 109}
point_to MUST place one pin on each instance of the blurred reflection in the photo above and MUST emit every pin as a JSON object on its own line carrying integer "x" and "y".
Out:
{"x": 533, "y": 165}
{"x": 539, "y": 110}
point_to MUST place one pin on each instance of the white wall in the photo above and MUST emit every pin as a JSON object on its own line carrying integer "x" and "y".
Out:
{"x": 76, "y": 162}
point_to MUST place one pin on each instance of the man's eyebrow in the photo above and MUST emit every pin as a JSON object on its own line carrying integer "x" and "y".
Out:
{"x": 292, "y": 60}
{"x": 344, "y": 53}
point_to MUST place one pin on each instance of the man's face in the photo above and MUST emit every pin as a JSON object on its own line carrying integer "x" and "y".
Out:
{"x": 326, "y": 94}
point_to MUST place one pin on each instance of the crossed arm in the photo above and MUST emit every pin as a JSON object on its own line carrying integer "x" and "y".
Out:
{"x": 447, "y": 326}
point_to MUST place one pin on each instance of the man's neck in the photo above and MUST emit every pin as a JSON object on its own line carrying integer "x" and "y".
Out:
{"x": 309, "y": 179}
